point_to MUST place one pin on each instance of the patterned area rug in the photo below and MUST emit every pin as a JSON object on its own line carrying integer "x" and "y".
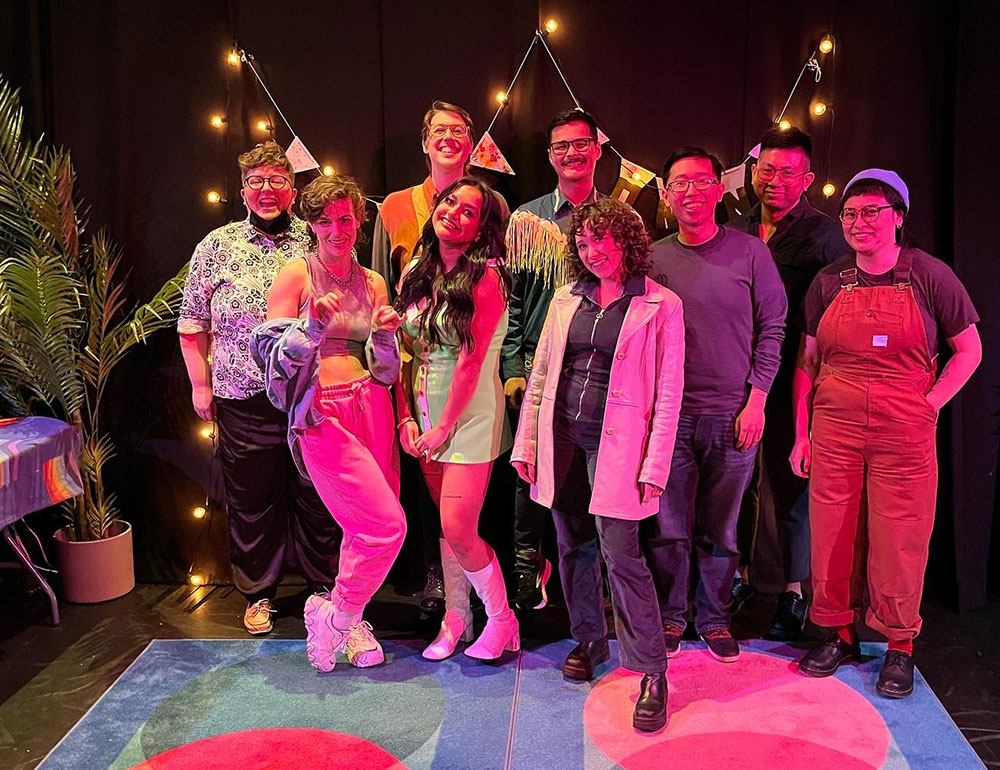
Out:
{"x": 224, "y": 704}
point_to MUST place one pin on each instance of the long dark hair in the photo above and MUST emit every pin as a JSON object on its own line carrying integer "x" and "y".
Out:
{"x": 453, "y": 291}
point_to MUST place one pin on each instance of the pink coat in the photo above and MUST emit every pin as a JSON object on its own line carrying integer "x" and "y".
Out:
{"x": 644, "y": 400}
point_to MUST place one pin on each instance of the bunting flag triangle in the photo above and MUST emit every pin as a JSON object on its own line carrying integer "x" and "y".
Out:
{"x": 635, "y": 173}
{"x": 755, "y": 152}
{"x": 487, "y": 155}
{"x": 602, "y": 138}
{"x": 300, "y": 158}
{"x": 733, "y": 179}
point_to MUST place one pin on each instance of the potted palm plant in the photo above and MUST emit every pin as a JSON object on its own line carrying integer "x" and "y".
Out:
{"x": 64, "y": 326}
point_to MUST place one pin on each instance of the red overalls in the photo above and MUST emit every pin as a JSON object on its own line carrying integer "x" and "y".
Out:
{"x": 873, "y": 438}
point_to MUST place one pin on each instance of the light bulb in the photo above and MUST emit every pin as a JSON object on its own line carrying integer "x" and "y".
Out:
{"x": 208, "y": 431}
{"x": 551, "y": 25}
{"x": 217, "y": 121}
{"x": 328, "y": 170}
{"x": 196, "y": 580}
{"x": 199, "y": 512}
{"x": 233, "y": 58}
{"x": 213, "y": 197}
{"x": 784, "y": 125}
{"x": 818, "y": 109}
{"x": 501, "y": 97}
{"x": 829, "y": 189}
{"x": 636, "y": 176}
{"x": 826, "y": 44}
{"x": 263, "y": 126}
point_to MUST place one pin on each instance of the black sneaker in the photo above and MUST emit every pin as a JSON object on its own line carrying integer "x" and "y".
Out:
{"x": 432, "y": 597}
{"x": 530, "y": 592}
{"x": 672, "y": 640}
{"x": 741, "y": 592}
{"x": 788, "y": 619}
{"x": 721, "y": 645}
{"x": 896, "y": 677}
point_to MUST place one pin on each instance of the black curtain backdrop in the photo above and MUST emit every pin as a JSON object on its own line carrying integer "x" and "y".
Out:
{"x": 129, "y": 87}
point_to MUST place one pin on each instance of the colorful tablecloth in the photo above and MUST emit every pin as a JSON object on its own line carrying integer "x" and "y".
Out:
{"x": 39, "y": 465}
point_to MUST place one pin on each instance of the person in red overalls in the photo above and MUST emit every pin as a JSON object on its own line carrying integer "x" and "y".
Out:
{"x": 866, "y": 378}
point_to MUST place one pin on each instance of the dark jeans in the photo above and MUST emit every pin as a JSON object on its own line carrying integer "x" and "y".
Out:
{"x": 269, "y": 503}
{"x": 699, "y": 507}
{"x": 637, "y": 622}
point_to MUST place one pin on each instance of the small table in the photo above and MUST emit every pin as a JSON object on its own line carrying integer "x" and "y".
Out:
{"x": 39, "y": 467}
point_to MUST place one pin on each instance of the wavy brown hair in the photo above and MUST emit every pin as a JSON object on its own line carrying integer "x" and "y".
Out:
{"x": 608, "y": 215}
{"x": 452, "y": 291}
{"x": 323, "y": 190}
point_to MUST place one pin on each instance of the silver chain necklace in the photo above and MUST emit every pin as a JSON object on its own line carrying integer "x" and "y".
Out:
{"x": 350, "y": 276}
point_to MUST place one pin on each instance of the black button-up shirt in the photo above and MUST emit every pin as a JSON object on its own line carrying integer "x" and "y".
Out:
{"x": 804, "y": 241}
{"x": 586, "y": 367}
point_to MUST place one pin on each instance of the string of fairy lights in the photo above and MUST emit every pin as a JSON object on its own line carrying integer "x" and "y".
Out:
{"x": 821, "y": 106}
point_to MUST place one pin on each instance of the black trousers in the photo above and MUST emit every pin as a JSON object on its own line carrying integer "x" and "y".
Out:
{"x": 582, "y": 536}
{"x": 776, "y": 492}
{"x": 530, "y": 518}
{"x": 275, "y": 515}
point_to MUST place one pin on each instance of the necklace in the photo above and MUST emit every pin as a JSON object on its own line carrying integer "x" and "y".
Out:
{"x": 350, "y": 276}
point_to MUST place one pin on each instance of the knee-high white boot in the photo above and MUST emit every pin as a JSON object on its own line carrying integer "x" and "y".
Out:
{"x": 501, "y": 632}
{"x": 457, "y": 622}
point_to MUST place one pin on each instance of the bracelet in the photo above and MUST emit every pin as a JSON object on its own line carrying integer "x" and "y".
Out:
{"x": 404, "y": 421}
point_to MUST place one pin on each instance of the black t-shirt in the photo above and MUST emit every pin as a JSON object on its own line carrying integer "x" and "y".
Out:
{"x": 943, "y": 301}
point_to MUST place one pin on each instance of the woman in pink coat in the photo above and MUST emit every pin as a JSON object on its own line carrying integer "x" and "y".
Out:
{"x": 596, "y": 437}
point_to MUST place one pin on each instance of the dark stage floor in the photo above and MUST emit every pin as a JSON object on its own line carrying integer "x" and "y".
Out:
{"x": 50, "y": 676}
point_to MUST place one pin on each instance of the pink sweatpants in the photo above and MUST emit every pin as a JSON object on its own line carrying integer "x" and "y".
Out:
{"x": 353, "y": 461}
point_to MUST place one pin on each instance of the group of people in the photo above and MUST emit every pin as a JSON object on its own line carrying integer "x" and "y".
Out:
{"x": 639, "y": 377}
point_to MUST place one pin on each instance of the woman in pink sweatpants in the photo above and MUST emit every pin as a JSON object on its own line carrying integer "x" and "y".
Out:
{"x": 342, "y": 428}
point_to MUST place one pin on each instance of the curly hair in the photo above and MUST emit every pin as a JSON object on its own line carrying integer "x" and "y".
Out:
{"x": 323, "y": 190}
{"x": 267, "y": 153}
{"x": 609, "y": 215}
{"x": 449, "y": 295}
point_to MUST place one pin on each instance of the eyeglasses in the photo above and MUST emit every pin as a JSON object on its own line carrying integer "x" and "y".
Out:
{"x": 681, "y": 185}
{"x": 869, "y": 214}
{"x": 277, "y": 182}
{"x": 440, "y": 130}
{"x": 785, "y": 175}
{"x": 580, "y": 145}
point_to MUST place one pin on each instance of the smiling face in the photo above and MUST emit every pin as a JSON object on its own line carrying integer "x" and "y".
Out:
{"x": 867, "y": 237}
{"x": 693, "y": 207}
{"x": 457, "y": 217}
{"x": 602, "y": 256}
{"x": 575, "y": 164}
{"x": 781, "y": 176}
{"x": 268, "y": 203}
{"x": 336, "y": 229}
{"x": 448, "y": 152}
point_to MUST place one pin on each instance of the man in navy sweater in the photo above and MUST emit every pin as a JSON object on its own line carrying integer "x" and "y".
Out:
{"x": 734, "y": 314}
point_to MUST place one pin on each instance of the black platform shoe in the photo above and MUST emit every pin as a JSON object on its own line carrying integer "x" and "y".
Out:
{"x": 580, "y": 663}
{"x": 651, "y": 709}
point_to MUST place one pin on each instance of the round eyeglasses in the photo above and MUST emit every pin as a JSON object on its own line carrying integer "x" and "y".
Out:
{"x": 440, "y": 130}
{"x": 277, "y": 182}
{"x": 868, "y": 213}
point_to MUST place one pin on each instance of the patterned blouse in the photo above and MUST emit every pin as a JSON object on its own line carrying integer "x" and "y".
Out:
{"x": 225, "y": 294}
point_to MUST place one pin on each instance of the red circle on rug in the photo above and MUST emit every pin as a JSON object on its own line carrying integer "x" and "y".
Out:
{"x": 756, "y": 714}
{"x": 276, "y": 748}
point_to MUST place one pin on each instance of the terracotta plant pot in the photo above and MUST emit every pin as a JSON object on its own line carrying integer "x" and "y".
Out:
{"x": 96, "y": 570}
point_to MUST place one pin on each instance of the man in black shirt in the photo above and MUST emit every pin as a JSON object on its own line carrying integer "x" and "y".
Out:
{"x": 802, "y": 240}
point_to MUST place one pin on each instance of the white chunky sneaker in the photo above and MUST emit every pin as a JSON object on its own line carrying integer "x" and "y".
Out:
{"x": 361, "y": 647}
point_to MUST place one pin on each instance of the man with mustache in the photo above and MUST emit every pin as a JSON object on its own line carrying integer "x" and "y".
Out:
{"x": 802, "y": 241}
{"x": 535, "y": 240}
{"x": 734, "y": 311}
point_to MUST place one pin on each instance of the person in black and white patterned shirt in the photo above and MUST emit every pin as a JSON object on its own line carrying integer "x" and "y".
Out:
{"x": 271, "y": 507}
